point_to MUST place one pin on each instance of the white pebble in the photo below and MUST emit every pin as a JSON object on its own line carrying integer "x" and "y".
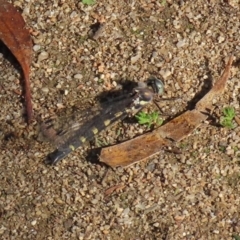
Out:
{"x": 73, "y": 14}
{"x": 94, "y": 201}
{"x": 42, "y": 56}
{"x": 36, "y": 47}
{"x": 135, "y": 58}
{"x": 78, "y": 76}
{"x": 221, "y": 39}
{"x": 26, "y": 10}
{"x": 181, "y": 43}
{"x": 45, "y": 89}
{"x": 33, "y": 223}
{"x": 165, "y": 73}
{"x": 11, "y": 78}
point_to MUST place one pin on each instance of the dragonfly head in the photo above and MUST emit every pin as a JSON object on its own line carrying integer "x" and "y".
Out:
{"x": 156, "y": 84}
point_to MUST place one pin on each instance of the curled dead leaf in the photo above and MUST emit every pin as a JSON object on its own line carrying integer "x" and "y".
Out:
{"x": 17, "y": 38}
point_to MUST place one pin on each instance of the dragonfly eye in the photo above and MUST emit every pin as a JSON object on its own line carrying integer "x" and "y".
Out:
{"x": 156, "y": 84}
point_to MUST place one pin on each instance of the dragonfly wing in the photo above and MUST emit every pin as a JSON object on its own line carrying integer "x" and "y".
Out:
{"x": 82, "y": 126}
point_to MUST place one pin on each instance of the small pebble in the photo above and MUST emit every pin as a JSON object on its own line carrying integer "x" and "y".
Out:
{"x": 45, "y": 89}
{"x": 36, "y": 47}
{"x": 78, "y": 76}
{"x": 33, "y": 223}
{"x": 135, "y": 58}
{"x": 181, "y": 43}
{"x": 43, "y": 56}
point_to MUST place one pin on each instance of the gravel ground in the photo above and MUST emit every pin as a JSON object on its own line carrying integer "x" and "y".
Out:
{"x": 191, "y": 195}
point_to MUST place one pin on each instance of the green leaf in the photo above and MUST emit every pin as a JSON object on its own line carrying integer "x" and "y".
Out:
{"x": 149, "y": 119}
{"x": 229, "y": 112}
{"x": 236, "y": 237}
{"x": 88, "y": 2}
{"x": 227, "y": 119}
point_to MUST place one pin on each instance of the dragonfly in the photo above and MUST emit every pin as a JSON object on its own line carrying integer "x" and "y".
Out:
{"x": 75, "y": 132}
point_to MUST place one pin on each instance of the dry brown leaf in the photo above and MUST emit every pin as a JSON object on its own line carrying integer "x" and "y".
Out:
{"x": 182, "y": 126}
{"x": 17, "y": 38}
{"x": 134, "y": 150}
{"x": 147, "y": 145}
{"x": 206, "y": 102}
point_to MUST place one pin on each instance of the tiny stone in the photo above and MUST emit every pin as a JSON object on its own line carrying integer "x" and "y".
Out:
{"x": 60, "y": 105}
{"x": 135, "y": 58}
{"x": 78, "y": 76}
{"x": 94, "y": 201}
{"x": 221, "y": 39}
{"x": 176, "y": 24}
{"x": 154, "y": 54}
{"x": 26, "y": 10}
{"x": 156, "y": 224}
{"x": 181, "y": 43}
{"x": 11, "y": 78}
{"x": 165, "y": 73}
{"x": 36, "y": 47}
{"x": 73, "y": 14}
{"x": 33, "y": 223}
{"x": 43, "y": 56}
{"x": 45, "y": 89}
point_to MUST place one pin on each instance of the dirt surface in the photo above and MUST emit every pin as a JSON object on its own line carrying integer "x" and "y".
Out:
{"x": 191, "y": 195}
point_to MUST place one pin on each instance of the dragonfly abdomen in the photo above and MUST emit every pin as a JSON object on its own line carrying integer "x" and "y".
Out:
{"x": 85, "y": 134}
